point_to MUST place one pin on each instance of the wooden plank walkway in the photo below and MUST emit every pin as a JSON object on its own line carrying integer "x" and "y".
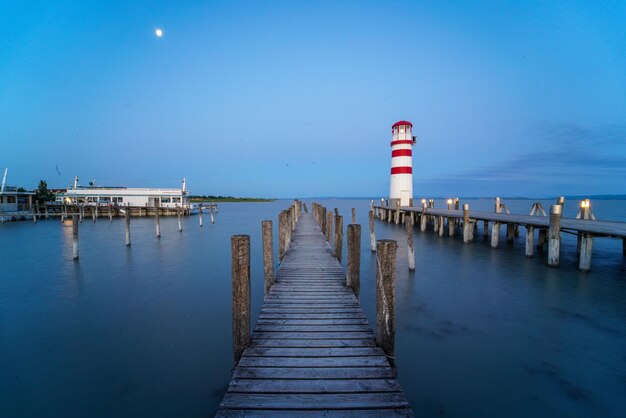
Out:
{"x": 313, "y": 352}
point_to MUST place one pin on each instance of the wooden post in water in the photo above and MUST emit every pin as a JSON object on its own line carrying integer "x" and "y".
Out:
{"x": 372, "y": 232}
{"x": 353, "y": 274}
{"x": 424, "y": 217}
{"x": 396, "y": 217}
{"x": 74, "y": 237}
{"x": 329, "y": 227}
{"x": 386, "y": 297}
{"x": 510, "y": 232}
{"x": 338, "y": 237}
{"x": 322, "y": 222}
{"x": 586, "y": 245}
{"x": 353, "y": 215}
{"x": 495, "y": 234}
{"x": 530, "y": 238}
{"x": 179, "y": 212}
{"x": 127, "y": 222}
{"x": 268, "y": 256}
{"x": 282, "y": 235}
{"x": 485, "y": 229}
{"x": 94, "y": 213}
{"x": 408, "y": 222}
{"x": 442, "y": 225}
{"x": 336, "y": 212}
{"x": 554, "y": 235}
{"x": 200, "y": 216}
{"x": 211, "y": 213}
{"x": 156, "y": 219}
{"x": 468, "y": 231}
{"x": 110, "y": 213}
{"x": 541, "y": 238}
{"x": 240, "y": 247}
{"x": 81, "y": 213}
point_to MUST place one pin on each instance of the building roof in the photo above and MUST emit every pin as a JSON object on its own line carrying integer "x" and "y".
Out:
{"x": 402, "y": 122}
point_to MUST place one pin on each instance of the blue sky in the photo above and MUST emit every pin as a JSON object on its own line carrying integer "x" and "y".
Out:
{"x": 297, "y": 98}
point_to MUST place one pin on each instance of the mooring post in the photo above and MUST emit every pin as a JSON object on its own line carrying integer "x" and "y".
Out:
{"x": 268, "y": 256}
{"x": 408, "y": 222}
{"x": 530, "y": 240}
{"x": 353, "y": 215}
{"x": 554, "y": 235}
{"x": 329, "y": 227}
{"x": 240, "y": 247}
{"x": 468, "y": 231}
{"x": 74, "y": 237}
{"x": 35, "y": 209}
{"x": 424, "y": 217}
{"x": 336, "y": 212}
{"x": 386, "y": 298}
{"x": 510, "y": 232}
{"x": 397, "y": 214}
{"x": 353, "y": 274}
{"x": 338, "y": 237}
{"x": 442, "y": 225}
{"x": 485, "y": 229}
{"x": 541, "y": 238}
{"x": 156, "y": 219}
{"x": 200, "y": 215}
{"x": 94, "y": 213}
{"x": 372, "y": 232}
{"x": 211, "y": 213}
{"x": 495, "y": 234}
{"x": 127, "y": 222}
{"x": 110, "y": 213}
{"x": 306, "y": 210}
{"x": 179, "y": 213}
{"x": 586, "y": 245}
{"x": 282, "y": 234}
{"x": 322, "y": 222}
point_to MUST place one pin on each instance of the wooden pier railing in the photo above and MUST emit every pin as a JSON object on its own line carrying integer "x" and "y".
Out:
{"x": 312, "y": 352}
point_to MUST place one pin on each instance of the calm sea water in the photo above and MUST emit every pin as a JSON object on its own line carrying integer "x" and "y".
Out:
{"x": 145, "y": 330}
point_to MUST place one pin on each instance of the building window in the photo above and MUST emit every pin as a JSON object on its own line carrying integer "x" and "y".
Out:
{"x": 165, "y": 200}
{"x": 11, "y": 199}
{"x": 402, "y": 129}
{"x": 105, "y": 199}
{"x": 176, "y": 199}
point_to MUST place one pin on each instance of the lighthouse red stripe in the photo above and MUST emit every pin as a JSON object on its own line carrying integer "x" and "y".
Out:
{"x": 401, "y": 170}
{"x": 402, "y": 142}
{"x": 401, "y": 153}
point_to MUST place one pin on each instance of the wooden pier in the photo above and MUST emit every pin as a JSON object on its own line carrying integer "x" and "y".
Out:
{"x": 549, "y": 226}
{"x": 312, "y": 351}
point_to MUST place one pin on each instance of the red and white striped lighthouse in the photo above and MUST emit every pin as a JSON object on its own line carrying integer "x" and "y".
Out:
{"x": 402, "y": 140}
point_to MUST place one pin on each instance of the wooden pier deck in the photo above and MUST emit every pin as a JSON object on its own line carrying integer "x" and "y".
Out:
{"x": 313, "y": 352}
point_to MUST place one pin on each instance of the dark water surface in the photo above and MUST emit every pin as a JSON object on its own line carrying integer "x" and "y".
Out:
{"x": 146, "y": 331}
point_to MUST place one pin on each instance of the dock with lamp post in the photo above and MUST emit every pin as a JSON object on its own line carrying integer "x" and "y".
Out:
{"x": 548, "y": 226}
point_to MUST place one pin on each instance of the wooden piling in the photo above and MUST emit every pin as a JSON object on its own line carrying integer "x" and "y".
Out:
{"x": 282, "y": 235}
{"x": 495, "y": 234}
{"x": 467, "y": 225}
{"x": 329, "y": 226}
{"x": 386, "y": 297}
{"x": 322, "y": 222}
{"x": 541, "y": 238}
{"x": 372, "y": 232}
{"x": 586, "y": 245}
{"x": 485, "y": 229}
{"x": 110, "y": 213}
{"x": 211, "y": 213}
{"x": 200, "y": 216}
{"x": 353, "y": 273}
{"x": 240, "y": 247}
{"x": 554, "y": 235}
{"x": 75, "y": 237}
{"x": 179, "y": 212}
{"x": 442, "y": 225}
{"x": 336, "y": 212}
{"x": 338, "y": 237}
{"x": 424, "y": 217}
{"x": 268, "y": 256}
{"x": 530, "y": 238}
{"x": 127, "y": 223}
{"x": 353, "y": 215}
{"x": 157, "y": 220}
{"x": 397, "y": 214}
{"x": 408, "y": 222}
{"x": 451, "y": 222}
{"x": 94, "y": 213}
{"x": 510, "y": 232}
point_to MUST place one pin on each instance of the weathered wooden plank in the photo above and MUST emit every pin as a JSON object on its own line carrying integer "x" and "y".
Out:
{"x": 315, "y": 401}
{"x": 313, "y": 352}
{"x": 311, "y": 328}
{"x": 296, "y": 413}
{"x": 313, "y": 373}
{"x": 320, "y": 343}
{"x": 312, "y": 315}
{"x": 314, "y": 386}
{"x": 371, "y": 361}
{"x": 313, "y": 335}
{"x": 312, "y": 322}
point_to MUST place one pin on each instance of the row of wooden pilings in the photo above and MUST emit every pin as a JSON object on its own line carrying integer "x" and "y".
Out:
{"x": 470, "y": 226}
{"x": 385, "y": 272}
{"x": 77, "y": 218}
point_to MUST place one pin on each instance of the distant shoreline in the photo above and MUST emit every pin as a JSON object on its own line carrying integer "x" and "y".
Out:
{"x": 228, "y": 199}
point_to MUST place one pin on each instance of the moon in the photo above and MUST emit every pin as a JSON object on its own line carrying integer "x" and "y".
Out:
{"x": 158, "y": 32}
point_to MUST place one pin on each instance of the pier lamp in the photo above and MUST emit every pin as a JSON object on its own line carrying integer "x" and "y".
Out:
{"x": 584, "y": 204}
{"x": 449, "y": 204}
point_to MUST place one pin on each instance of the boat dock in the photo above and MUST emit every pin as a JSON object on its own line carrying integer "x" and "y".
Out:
{"x": 549, "y": 226}
{"x": 312, "y": 351}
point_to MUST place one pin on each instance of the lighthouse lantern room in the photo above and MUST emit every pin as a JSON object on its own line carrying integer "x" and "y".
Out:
{"x": 401, "y": 187}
